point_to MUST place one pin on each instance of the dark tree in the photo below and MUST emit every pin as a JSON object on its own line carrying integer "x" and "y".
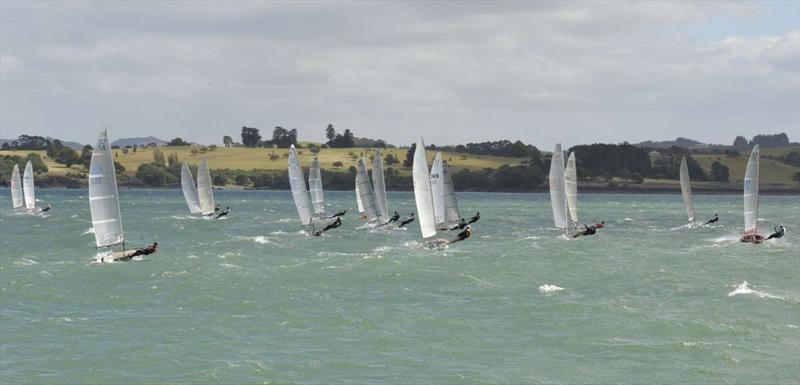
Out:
{"x": 330, "y": 133}
{"x": 177, "y": 142}
{"x": 719, "y": 172}
{"x": 776, "y": 140}
{"x": 347, "y": 139}
{"x": 250, "y": 137}
{"x": 410, "y": 156}
{"x": 227, "y": 141}
{"x": 740, "y": 142}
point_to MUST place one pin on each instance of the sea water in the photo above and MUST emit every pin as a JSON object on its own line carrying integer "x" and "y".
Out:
{"x": 253, "y": 298}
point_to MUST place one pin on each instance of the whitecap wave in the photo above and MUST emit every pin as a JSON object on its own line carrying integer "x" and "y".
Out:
{"x": 25, "y": 262}
{"x": 743, "y": 288}
{"x": 262, "y": 240}
{"x": 547, "y": 288}
{"x": 90, "y": 231}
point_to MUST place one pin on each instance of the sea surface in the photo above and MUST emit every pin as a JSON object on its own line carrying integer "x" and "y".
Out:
{"x": 252, "y": 298}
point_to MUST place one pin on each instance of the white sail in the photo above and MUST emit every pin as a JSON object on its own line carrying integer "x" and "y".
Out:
{"x": 315, "y": 186}
{"x": 103, "y": 195}
{"x": 571, "y": 188}
{"x": 27, "y": 187}
{"x": 298, "y": 185}
{"x": 365, "y": 190}
{"x": 16, "y": 188}
{"x": 422, "y": 192}
{"x": 686, "y": 190}
{"x": 358, "y": 197}
{"x": 205, "y": 191}
{"x": 437, "y": 189}
{"x": 379, "y": 187}
{"x": 751, "y": 194}
{"x": 451, "y": 214}
{"x": 558, "y": 196}
{"x": 190, "y": 190}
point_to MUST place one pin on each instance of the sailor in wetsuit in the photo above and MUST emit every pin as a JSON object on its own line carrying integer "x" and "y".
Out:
{"x": 779, "y": 231}
{"x": 712, "y": 220}
{"x": 335, "y": 224}
{"x": 394, "y": 217}
{"x": 462, "y": 235}
{"x": 458, "y": 226}
{"x": 46, "y": 208}
{"x": 224, "y": 213}
{"x": 407, "y": 220}
{"x": 474, "y": 219}
{"x": 588, "y": 230}
{"x": 339, "y": 214}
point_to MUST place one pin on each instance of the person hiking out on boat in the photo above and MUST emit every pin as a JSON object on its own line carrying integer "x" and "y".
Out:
{"x": 407, "y": 220}
{"x": 712, "y": 220}
{"x": 394, "y": 217}
{"x": 339, "y": 214}
{"x": 600, "y": 225}
{"x": 474, "y": 219}
{"x": 462, "y": 235}
{"x": 46, "y": 208}
{"x": 779, "y": 231}
{"x": 224, "y": 213}
{"x": 145, "y": 250}
{"x": 588, "y": 230}
{"x": 335, "y": 224}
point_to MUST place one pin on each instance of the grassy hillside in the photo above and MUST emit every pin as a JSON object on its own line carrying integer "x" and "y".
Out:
{"x": 771, "y": 171}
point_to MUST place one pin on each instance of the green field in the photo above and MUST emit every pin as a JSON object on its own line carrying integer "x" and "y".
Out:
{"x": 259, "y": 158}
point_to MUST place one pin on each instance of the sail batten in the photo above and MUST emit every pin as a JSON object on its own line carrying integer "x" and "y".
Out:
{"x": 190, "y": 190}
{"x": 571, "y": 188}
{"x": 422, "y": 192}
{"x": 750, "y": 194}
{"x": 451, "y": 213}
{"x": 437, "y": 189}
{"x": 103, "y": 195}
{"x": 379, "y": 187}
{"x": 16, "y": 188}
{"x": 315, "y": 187}
{"x": 558, "y": 196}
{"x": 205, "y": 190}
{"x": 366, "y": 193}
{"x": 298, "y": 185}
{"x": 686, "y": 190}
{"x": 27, "y": 187}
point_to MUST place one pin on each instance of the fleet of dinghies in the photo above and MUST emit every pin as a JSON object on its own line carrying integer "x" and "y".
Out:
{"x": 434, "y": 196}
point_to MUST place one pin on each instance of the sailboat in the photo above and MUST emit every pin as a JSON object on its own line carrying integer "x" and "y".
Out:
{"x": 315, "y": 185}
{"x": 571, "y": 189}
{"x": 751, "y": 234}
{"x": 298, "y": 186}
{"x": 445, "y": 205}
{"x": 686, "y": 191}
{"x": 104, "y": 202}
{"x": 423, "y": 196}
{"x": 205, "y": 191}
{"x": 379, "y": 187}
{"x": 558, "y": 194}
{"x": 367, "y": 196}
{"x": 190, "y": 190}
{"x": 17, "y": 199}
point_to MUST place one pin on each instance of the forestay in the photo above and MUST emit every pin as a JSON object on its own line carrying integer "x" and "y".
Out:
{"x": 557, "y": 189}
{"x": 686, "y": 190}
{"x": 16, "y": 188}
{"x": 751, "y": 194}
{"x": 571, "y": 188}
{"x": 451, "y": 213}
{"x": 298, "y": 185}
{"x": 103, "y": 195}
{"x": 379, "y": 187}
{"x": 365, "y": 191}
{"x": 437, "y": 189}
{"x": 27, "y": 187}
{"x": 422, "y": 192}
{"x": 315, "y": 185}
{"x": 205, "y": 190}
{"x": 190, "y": 190}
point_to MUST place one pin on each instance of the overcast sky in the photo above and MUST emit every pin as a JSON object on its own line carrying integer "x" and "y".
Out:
{"x": 541, "y": 72}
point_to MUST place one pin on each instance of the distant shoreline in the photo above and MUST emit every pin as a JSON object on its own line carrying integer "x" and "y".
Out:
{"x": 649, "y": 189}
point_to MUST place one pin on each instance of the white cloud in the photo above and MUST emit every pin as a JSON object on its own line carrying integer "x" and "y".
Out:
{"x": 575, "y": 72}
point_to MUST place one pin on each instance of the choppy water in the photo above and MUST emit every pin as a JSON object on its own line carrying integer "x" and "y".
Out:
{"x": 252, "y": 299}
